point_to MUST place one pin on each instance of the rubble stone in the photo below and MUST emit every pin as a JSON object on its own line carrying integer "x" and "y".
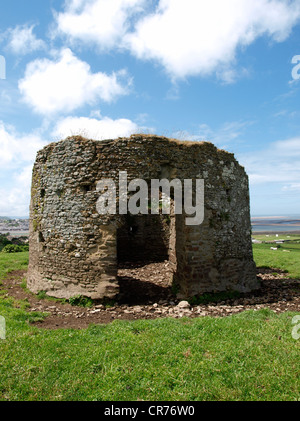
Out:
{"x": 75, "y": 251}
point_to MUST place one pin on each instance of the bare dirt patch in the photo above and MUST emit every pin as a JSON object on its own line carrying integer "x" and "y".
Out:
{"x": 145, "y": 293}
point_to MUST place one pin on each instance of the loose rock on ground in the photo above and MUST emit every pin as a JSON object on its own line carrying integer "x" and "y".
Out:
{"x": 146, "y": 294}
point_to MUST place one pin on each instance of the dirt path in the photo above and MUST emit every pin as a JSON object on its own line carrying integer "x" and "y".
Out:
{"x": 145, "y": 293}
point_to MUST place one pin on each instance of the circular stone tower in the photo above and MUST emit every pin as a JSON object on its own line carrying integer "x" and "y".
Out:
{"x": 74, "y": 250}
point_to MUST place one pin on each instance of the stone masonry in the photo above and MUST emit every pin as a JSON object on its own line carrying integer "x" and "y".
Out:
{"x": 75, "y": 251}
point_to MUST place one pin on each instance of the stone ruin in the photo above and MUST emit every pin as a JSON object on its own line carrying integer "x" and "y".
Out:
{"x": 76, "y": 251}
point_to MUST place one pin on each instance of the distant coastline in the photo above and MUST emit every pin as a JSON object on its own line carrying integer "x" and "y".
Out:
{"x": 18, "y": 227}
{"x": 259, "y": 224}
{"x": 276, "y": 224}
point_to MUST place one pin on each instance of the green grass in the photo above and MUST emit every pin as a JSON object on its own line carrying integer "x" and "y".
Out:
{"x": 273, "y": 237}
{"x": 249, "y": 356}
{"x": 12, "y": 261}
{"x": 286, "y": 258}
{"x": 81, "y": 301}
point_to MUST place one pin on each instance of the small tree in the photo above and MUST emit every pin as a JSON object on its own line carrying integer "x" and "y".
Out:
{"x": 4, "y": 241}
{"x": 14, "y": 248}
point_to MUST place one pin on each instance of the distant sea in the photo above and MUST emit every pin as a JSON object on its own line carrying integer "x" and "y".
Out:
{"x": 260, "y": 224}
{"x": 276, "y": 224}
{"x": 15, "y": 233}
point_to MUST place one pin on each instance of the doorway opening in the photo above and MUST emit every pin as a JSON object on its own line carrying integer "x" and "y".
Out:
{"x": 146, "y": 258}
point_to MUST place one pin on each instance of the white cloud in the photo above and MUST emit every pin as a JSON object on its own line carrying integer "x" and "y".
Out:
{"x": 187, "y": 38}
{"x": 17, "y": 148}
{"x": 14, "y": 201}
{"x": 274, "y": 174}
{"x": 292, "y": 187}
{"x": 224, "y": 137}
{"x": 195, "y": 37}
{"x": 15, "y": 197}
{"x": 22, "y": 40}
{"x": 18, "y": 152}
{"x": 104, "y": 128}
{"x": 66, "y": 83}
{"x": 288, "y": 148}
{"x": 103, "y": 22}
{"x": 279, "y": 163}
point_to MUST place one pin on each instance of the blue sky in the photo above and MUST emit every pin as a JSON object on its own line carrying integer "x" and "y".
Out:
{"x": 221, "y": 71}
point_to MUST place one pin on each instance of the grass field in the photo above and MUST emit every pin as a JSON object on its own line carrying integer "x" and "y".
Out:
{"x": 249, "y": 356}
{"x": 12, "y": 261}
{"x": 286, "y": 257}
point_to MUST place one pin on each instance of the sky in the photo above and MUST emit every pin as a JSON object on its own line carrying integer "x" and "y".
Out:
{"x": 224, "y": 71}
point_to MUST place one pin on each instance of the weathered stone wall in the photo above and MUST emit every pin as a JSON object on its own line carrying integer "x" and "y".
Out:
{"x": 73, "y": 249}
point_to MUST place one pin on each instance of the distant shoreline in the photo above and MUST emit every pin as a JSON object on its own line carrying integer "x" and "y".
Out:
{"x": 16, "y": 233}
{"x": 275, "y": 232}
{"x": 276, "y": 224}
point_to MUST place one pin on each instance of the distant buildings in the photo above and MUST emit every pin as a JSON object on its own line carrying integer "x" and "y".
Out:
{"x": 20, "y": 226}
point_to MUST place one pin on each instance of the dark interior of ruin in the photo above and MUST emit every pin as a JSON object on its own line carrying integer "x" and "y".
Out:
{"x": 143, "y": 238}
{"x": 144, "y": 248}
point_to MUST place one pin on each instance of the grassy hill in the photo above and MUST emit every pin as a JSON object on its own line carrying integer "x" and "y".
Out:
{"x": 248, "y": 356}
